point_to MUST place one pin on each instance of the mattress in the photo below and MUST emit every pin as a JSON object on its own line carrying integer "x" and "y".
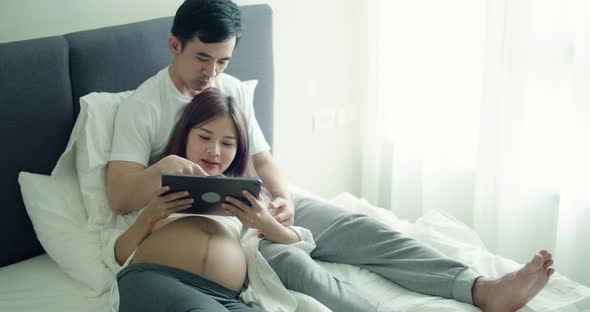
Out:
{"x": 37, "y": 284}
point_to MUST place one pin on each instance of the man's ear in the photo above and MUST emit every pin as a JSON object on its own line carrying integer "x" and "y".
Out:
{"x": 174, "y": 45}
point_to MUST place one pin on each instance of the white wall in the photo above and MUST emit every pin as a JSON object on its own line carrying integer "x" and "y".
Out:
{"x": 25, "y": 19}
{"x": 320, "y": 57}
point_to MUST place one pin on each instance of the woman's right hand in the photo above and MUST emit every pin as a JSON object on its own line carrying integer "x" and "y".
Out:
{"x": 162, "y": 206}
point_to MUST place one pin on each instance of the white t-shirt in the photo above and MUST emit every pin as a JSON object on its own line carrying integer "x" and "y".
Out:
{"x": 146, "y": 119}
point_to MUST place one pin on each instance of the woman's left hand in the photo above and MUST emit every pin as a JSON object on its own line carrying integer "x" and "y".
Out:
{"x": 255, "y": 215}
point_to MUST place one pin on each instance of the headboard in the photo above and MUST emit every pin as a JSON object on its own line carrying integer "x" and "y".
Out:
{"x": 41, "y": 81}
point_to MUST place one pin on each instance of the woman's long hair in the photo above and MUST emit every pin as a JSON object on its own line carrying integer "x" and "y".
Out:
{"x": 205, "y": 106}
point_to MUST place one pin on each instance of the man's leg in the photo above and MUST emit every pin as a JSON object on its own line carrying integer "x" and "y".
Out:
{"x": 299, "y": 272}
{"x": 346, "y": 237}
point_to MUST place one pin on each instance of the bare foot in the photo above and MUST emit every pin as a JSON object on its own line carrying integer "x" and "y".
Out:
{"x": 513, "y": 290}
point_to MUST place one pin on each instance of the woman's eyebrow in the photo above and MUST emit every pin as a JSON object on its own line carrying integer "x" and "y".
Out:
{"x": 211, "y": 132}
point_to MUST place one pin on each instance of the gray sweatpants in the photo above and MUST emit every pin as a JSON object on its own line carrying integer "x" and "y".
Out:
{"x": 345, "y": 237}
{"x": 146, "y": 287}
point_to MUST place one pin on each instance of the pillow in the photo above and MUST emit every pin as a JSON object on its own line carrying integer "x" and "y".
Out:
{"x": 98, "y": 110}
{"x": 54, "y": 205}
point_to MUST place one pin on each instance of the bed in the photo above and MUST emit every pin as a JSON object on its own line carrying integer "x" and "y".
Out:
{"x": 41, "y": 82}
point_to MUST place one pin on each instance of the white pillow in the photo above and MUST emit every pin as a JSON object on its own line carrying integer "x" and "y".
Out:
{"x": 54, "y": 205}
{"x": 93, "y": 152}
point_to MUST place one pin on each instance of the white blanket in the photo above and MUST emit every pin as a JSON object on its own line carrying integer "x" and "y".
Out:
{"x": 458, "y": 241}
{"x": 265, "y": 289}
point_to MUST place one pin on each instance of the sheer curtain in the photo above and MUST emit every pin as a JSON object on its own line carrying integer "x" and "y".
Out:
{"x": 482, "y": 109}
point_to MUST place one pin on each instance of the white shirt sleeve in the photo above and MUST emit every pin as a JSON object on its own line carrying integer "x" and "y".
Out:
{"x": 133, "y": 133}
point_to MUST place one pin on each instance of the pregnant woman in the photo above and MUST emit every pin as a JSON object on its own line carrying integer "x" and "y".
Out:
{"x": 195, "y": 262}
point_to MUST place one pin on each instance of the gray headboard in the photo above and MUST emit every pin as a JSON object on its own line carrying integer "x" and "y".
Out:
{"x": 42, "y": 79}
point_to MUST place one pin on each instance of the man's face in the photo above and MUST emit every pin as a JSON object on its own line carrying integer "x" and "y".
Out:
{"x": 196, "y": 63}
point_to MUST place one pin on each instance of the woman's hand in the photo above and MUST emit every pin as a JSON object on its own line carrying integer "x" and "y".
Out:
{"x": 254, "y": 215}
{"x": 257, "y": 216}
{"x": 160, "y": 207}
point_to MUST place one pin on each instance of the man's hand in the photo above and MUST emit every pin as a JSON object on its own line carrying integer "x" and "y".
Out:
{"x": 178, "y": 165}
{"x": 285, "y": 210}
{"x": 130, "y": 185}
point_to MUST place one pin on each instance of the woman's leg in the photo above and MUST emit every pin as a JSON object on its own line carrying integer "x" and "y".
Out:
{"x": 299, "y": 272}
{"x": 151, "y": 287}
{"x": 346, "y": 237}
{"x": 147, "y": 290}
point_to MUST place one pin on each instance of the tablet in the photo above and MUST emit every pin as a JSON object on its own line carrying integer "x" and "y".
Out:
{"x": 209, "y": 191}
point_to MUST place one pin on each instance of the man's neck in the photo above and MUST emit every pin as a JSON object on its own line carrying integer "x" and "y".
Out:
{"x": 179, "y": 84}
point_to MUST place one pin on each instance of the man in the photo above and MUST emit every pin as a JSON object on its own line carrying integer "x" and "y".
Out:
{"x": 196, "y": 64}
{"x": 204, "y": 35}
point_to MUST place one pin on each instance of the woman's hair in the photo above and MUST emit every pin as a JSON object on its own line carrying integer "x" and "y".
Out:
{"x": 205, "y": 106}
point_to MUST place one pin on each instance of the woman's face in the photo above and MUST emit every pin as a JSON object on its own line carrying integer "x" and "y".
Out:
{"x": 213, "y": 145}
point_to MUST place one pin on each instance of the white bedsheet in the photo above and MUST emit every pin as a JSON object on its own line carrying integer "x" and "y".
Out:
{"x": 37, "y": 284}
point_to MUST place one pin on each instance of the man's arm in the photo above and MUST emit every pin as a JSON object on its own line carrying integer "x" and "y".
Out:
{"x": 269, "y": 172}
{"x": 130, "y": 185}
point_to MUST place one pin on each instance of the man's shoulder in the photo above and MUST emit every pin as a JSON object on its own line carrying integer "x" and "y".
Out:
{"x": 147, "y": 94}
{"x": 227, "y": 83}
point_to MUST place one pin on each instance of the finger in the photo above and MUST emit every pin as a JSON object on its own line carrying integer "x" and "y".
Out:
{"x": 197, "y": 170}
{"x": 277, "y": 203}
{"x": 173, "y": 204}
{"x": 287, "y": 222}
{"x": 174, "y": 196}
{"x": 237, "y": 203}
{"x": 161, "y": 191}
{"x": 251, "y": 198}
{"x": 284, "y": 219}
{"x": 233, "y": 210}
{"x": 550, "y": 272}
{"x": 180, "y": 208}
{"x": 282, "y": 216}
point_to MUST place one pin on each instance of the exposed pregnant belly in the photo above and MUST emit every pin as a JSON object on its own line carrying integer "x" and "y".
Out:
{"x": 199, "y": 245}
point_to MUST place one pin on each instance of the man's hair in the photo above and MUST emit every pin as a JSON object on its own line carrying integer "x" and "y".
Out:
{"x": 206, "y": 106}
{"x": 211, "y": 21}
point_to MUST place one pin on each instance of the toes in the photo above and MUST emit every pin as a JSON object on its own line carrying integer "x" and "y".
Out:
{"x": 547, "y": 264}
{"x": 535, "y": 264}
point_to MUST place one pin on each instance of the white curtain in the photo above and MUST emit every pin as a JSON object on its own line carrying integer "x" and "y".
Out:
{"x": 482, "y": 109}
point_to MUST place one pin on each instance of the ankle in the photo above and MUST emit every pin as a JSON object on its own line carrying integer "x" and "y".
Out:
{"x": 480, "y": 293}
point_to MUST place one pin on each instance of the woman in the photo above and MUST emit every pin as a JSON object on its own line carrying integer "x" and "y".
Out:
{"x": 195, "y": 262}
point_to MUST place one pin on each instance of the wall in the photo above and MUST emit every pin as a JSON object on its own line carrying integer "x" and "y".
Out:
{"x": 319, "y": 64}
{"x": 320, "y": 54}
